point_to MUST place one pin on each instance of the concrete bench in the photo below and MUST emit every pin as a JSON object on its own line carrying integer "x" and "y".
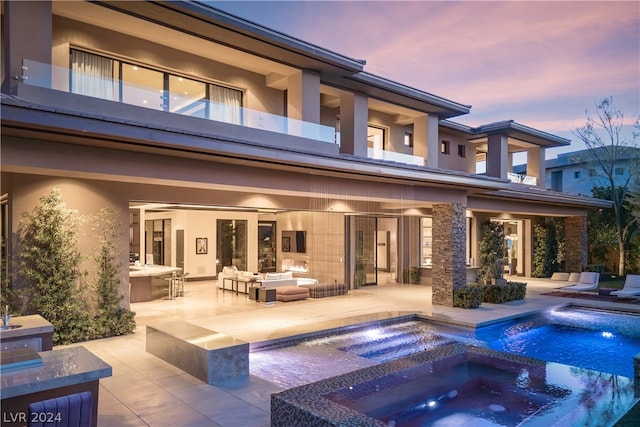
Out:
{"x": 207, "y": 355}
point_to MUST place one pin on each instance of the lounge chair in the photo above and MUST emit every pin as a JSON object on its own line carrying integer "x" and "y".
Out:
{"x": 588, "y": 281}
{"x": 631, "y": 287}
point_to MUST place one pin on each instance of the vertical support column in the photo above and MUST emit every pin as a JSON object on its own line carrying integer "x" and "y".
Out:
{"x": 303, "y": 103}
{"x": 575, "y": 237}
{"x": 449, "y": 238}
{"x": 354, "y": 118}
{"x": 303, "y": 96}
{"x": 20, "y": 20}
{"x": 536, "y": 165}
{"x": 426, "y": 139}
{"x": 497, "y": 156}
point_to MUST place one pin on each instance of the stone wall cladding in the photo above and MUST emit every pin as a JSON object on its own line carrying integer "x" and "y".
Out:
{"x": 575, "y": 231}
{"x": 449, "y": 252}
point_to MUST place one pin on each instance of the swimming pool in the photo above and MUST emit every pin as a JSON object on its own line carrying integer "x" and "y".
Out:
{"x": 457, "y": 384}
{"x": 588, "y": 338}
{"x": 569, "y": 366}
{"x": 601, "y": 340}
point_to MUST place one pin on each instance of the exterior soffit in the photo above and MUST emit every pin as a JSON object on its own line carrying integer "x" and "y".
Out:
{"x": 112, "y": 20}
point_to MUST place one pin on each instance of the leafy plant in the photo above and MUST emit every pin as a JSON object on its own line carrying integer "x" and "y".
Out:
{"x": 110, "y": 319}
{"x": 491, "y": 248}
{"x": 470, "y": 296}
{"x": 510, "y": 291}
{"x": 411, "y": 276}
{"x": 545, "y": 250}
{"x": 48, "y": 263}
{"x": 6, "y": 293}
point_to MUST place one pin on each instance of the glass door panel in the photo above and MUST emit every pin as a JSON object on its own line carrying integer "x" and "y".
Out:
{"x": 187, "y": 97}
{"x": 142, "y": 87}
{"x": 365, "y": 251}
{"x": 231, "y": 244}
{"x": 267, "y": 247}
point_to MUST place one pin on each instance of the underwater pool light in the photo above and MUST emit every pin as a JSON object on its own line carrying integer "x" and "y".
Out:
{"x": 606, "y": 334}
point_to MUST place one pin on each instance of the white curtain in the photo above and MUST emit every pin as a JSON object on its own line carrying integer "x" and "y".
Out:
{"x": 92, "y": 75}
{"x": 226, "y": 104}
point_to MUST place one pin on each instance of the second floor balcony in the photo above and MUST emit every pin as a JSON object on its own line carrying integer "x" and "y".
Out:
{"x": 162, "y": 91}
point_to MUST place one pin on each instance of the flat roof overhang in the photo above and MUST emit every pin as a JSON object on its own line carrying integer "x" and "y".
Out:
{"x": 21, "y": 119}
{"x": 509, "y": 128}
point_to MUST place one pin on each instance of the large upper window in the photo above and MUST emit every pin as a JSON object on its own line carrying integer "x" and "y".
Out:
{"x": 107, "y": 78}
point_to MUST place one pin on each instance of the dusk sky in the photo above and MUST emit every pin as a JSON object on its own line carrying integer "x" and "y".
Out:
{"x": 539, "y": 63}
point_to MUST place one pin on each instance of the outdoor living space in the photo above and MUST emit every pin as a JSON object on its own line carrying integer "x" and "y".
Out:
{"x": 145, "y": 390}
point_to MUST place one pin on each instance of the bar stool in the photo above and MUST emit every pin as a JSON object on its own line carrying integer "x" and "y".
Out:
{"x": 182, "y": 278}
{"x": 173, "y": 283}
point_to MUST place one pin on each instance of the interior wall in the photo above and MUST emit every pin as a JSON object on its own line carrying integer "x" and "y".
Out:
{"x": 203, "y": 224}
{"x": 324, "y": 243}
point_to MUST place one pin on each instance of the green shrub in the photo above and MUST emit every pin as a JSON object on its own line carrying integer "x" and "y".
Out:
{"x": 468, "y": 297}
{"x": 598, "y": 268}
{"x": 411, "y": 276}
{"x": 511, "y": 291}
{"x": 110, "y": 319}
{"x": 48, "y": 262}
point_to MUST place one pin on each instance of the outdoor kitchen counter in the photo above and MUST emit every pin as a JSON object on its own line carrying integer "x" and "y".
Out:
{"x": 63, "y": 371}
{"x": 147, "y": 282}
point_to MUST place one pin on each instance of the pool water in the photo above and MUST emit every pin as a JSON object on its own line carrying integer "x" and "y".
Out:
{"x": 468, "y": 390}
{"x": 317, "y": 358}
{"x": 601, "y": 340}
{"x": 458, "y": 385}
{"x": 594, "y": 339}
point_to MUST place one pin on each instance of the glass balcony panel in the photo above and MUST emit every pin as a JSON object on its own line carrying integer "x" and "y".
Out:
{"x": 522, "y": 179}
{"x": 144, "y": 87}
{"x": 188, "y": 97}
{"x": 391, "y": 156}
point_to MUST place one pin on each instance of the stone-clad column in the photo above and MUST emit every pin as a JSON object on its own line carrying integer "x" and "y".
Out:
{"x": 575, "y": 238}
{"x": 449, "y": 239}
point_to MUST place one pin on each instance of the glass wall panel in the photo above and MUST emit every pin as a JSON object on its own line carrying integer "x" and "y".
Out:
{"x": 267, "y": 247}
{"x": 365, "y": 241}
{"x": 427, "y": 241}
{"x": 142, "y": 86}
{"x": 226, "y": 104}
{"x": 94, "y": 75}
{"x": 231, "y": 243}
{"x": 188, "y": 97}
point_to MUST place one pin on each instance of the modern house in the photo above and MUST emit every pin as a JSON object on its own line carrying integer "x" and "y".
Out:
{"x": 577, "y": 172}
{"x": 220, "y": 142}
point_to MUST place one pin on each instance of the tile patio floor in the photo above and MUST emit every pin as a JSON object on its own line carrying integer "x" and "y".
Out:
{"x": 146, "y": 391}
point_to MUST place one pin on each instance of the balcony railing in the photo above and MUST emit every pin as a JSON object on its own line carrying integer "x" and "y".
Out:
{"x": 522, "y": 179}
{"x": 391, "y": 156}
{"x": 58, "y": 78}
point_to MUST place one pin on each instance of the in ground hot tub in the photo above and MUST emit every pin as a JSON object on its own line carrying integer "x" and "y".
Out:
{"x": 457, "y": 384}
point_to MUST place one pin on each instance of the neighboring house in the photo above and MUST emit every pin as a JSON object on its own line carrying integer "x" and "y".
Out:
{"x": 271, "y": 153}
{"x": 578, "y": 172}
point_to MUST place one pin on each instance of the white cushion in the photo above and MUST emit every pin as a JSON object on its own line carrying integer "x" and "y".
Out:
{"x": 588, "y": 277}
{"x": 574, "y": 277}
{"x": 286, "y": 275}
{"x": 632, "y": 281}
{"x": 272, "y": 276}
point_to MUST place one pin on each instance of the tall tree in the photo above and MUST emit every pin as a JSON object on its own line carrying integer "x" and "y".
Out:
{"x": 611, "y": 147}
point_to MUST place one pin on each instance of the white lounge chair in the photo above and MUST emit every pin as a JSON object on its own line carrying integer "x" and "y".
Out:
{"x": 631, "y": 287}
{"x": 588, "y": 281}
